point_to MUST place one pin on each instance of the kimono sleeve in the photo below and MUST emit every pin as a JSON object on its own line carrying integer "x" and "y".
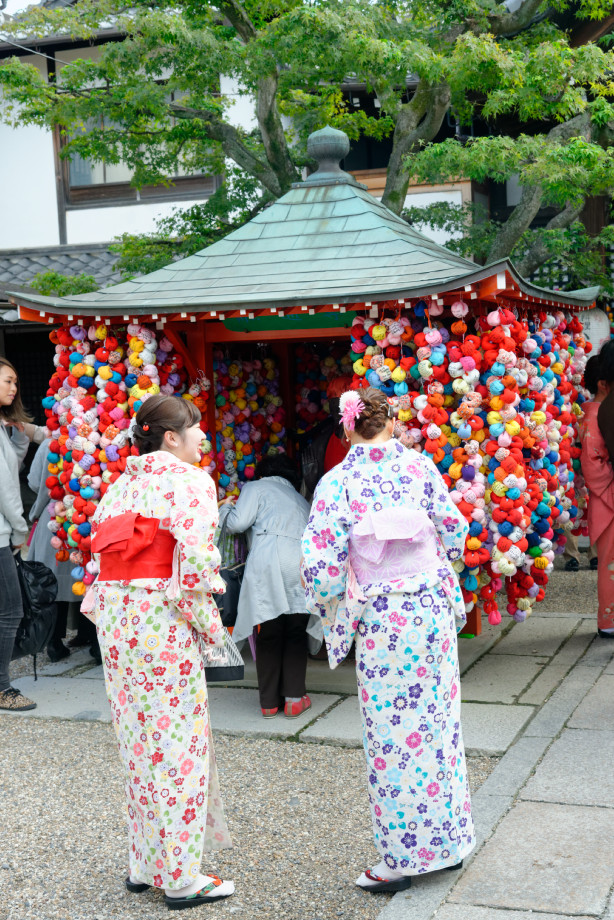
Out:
{"x": 325, "y": 551}
{"x": 595, "y": 462}
{"x": 449, "y": 523}
{"x": 193, "y": 519}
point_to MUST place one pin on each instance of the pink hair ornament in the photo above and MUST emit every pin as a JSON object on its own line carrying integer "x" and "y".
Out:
{"x": 350, "y": 406}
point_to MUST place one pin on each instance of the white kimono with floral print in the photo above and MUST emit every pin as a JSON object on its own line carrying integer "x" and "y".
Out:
{"x": 377, "y": 556}
{"x": 155, "y": 677}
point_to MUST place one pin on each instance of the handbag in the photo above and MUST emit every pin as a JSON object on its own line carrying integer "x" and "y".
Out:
{"x": 222, "y": 663}
{"x": 39, "y": 589}
{"x": 233, "y": 568}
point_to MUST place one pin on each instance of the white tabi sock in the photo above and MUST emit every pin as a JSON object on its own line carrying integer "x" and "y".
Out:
{"x": 202, "y": 880}
{"x": 195, "y": 886}
{"x": 381, "y": 870}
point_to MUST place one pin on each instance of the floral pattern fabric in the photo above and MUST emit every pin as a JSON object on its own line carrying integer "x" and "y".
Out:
{"x": 154, "y": 674}
{"x": 406, "y": 649}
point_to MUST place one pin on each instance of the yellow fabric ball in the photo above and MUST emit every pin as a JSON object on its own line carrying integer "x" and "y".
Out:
{"x": 513, "y": 428}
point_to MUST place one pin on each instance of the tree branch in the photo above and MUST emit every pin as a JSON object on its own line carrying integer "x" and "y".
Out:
{"x": 418, "y": 120}
{"x": 531, "y": 200}
{"x": 502, "y": 22}
{"x": 272, "y": 132}
{"x": 538, "y": 252}
{"x": 235, "y": 14}
{"x": 233, "y": 146}
{"x": 267, "y": 113}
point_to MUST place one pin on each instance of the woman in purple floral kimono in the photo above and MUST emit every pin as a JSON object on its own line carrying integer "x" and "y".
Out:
{"x": 376, "y": 565}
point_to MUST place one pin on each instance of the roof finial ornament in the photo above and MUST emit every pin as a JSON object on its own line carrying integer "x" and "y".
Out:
{"x": 328, "y": 147}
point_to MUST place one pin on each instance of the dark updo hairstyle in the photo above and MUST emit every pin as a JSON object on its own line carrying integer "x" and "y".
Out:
{"x": 159, "y": 414}
{"x": 278, "y": 465}
{"x": 592, "y": 374}
{"x": 373, "y": 418}
{"x": 606, "y": 362}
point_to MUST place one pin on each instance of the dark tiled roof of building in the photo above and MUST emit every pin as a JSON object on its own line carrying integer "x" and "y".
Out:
{"x": 19, "y": 266}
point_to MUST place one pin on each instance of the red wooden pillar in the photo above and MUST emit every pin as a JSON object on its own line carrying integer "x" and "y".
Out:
{"x": 473, "y": 627}
{"x": 197, "y": 353}
{"x": 206, "y": 357}
{"x": 281, "y": 350}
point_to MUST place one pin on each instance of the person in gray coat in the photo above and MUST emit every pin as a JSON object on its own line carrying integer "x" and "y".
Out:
{"x": 273, "y": 516}
{"x": 16, "y": 432}
{"x": 41, "y": 550}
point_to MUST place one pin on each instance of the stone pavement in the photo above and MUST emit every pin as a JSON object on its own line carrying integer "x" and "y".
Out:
{"x": 539, "y": 694}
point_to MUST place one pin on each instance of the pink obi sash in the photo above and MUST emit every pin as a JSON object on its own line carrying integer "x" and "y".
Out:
{"x": 393, "y": 543}
{"x": 132, "y": 546}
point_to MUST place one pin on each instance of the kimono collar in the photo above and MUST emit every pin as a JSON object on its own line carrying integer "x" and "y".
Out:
{"x": 156, "y": 462}
{"x": 373, "y": 453}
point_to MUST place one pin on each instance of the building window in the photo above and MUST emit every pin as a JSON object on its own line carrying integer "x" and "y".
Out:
{"x": 90, "y": 184}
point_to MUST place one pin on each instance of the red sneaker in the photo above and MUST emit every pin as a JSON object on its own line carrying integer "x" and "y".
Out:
{"x": 292, "y": 710}
{"x": 269, "y": 713}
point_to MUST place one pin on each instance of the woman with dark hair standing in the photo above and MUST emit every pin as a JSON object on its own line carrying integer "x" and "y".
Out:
{"x": 152, "y": 536}
{"x": 597, "y": 468}
{"x": 377, "y": 552}
{"x": 273, "y": 515}
{"x": 16, "y": 432}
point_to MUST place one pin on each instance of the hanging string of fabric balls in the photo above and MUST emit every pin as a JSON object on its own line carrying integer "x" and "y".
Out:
{"x": 250, "y": 417}
{"x": 102, "y": 376}
{"x": 316, "y": 366}
{"x": 493, "y": 399}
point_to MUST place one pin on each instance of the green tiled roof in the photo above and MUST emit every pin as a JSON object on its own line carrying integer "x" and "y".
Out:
{"x": 326, "y": 241}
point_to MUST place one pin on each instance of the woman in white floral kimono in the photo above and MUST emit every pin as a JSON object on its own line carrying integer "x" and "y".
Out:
{"x": 376, "y": 565}
{"x": 153, "y": 539}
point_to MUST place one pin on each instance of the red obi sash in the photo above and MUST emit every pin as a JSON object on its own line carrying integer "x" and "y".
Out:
{"x": 132, "y": 546}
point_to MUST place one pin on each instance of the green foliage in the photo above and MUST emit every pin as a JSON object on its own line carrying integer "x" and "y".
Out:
{"x": 566, "y": 169}
{"x": 574, "y": 253}
{"x": 155, "y": 100}
{"x": 471, "y": 229}
{"x": 189, "y": 230}
{"x": 54, "y": 284}
{"x": 567, "y": 251}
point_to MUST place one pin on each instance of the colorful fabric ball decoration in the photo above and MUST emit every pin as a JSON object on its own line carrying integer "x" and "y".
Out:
{"x": 493, "y": 398}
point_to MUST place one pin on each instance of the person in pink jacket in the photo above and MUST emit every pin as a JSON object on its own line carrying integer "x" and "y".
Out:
{"x": 598, "y": 473}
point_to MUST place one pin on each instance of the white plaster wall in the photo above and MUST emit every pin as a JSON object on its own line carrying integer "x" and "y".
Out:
{"x": 100, "y": 225}
{"x": 241, "y": 110}
{"x": 421, "y": 200}
{"x": 28, "y": 203}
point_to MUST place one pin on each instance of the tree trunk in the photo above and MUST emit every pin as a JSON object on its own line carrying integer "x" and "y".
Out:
{"x": 526, "y": 210}
{"x": 538, "y": 252}
{"x": 418, "y": 120}
{"x": 517, "y": 223}
{"x": 273, "y": 137}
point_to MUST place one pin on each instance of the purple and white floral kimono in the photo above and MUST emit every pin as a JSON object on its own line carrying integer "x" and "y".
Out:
{"x": 376, "y": 563}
